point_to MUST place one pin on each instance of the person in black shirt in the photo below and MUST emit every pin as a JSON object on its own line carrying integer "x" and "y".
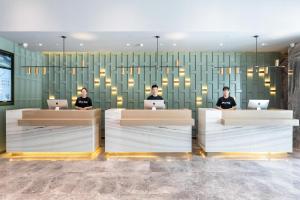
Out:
{"x": 226, "y": 101}
{"x": 154, "y": 94}
{"x": 83, "y": 102}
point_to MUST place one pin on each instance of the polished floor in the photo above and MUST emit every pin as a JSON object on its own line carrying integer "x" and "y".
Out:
{"x": 152, "y": 178}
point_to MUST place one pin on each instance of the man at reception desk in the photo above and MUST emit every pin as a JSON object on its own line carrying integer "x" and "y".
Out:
{"x": 226, "y": 101}
{"x": 83, "y": 102}
{"x": 154, "y": 93}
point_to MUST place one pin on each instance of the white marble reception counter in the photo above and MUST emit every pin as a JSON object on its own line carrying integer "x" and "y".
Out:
{"x": 148, "y": 131}
{"x": 245, "y": 130}
{"x": 36, "y": 130}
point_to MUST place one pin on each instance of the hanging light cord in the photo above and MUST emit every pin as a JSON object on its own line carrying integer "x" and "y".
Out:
{"x": 256, "y": 37}
{"x": 157, "y": 37}
{"x": 64, "y": 48}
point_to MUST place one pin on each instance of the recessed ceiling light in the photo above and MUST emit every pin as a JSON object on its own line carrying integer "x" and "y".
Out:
{"x": 25, "y": 45}
{"x": 176, "y": 36}
{"x": 81, "y": 44}
{"x": 40, "y": 44}
{"x": 174, "y": 44}
{"x": 83, "y": 36}
{"x": 263, "y": 44}
{"x": 221, "y": 44}
{"x": 127, "y": 44}
{"x": 141, "y": 44}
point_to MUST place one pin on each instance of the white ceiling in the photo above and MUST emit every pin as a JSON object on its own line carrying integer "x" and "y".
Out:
{"x": 191, "y": 24}
{"x": 130, "y": 41}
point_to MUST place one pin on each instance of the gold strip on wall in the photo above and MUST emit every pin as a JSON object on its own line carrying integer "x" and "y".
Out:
{"x": 114, "y": 90}
{"x": 187, "y": 81}
{"x": 221, "y": 72}
{"x": 28, "y": 70}
{"x": 107, "y": 82}
{"x": 228, "y": 71}
{"x": 176, "y": 82}
{"x": 97, "y": 82}
{"x": 36, "y": 71}
{"x": 204, "y": 89}
{"x": 165, "y": 81}
{"x": 44, "y": 71}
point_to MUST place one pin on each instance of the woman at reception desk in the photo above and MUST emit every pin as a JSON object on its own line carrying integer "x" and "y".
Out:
{"x": 148, "y": 131}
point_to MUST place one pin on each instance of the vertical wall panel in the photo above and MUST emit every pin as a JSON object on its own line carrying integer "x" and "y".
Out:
{"x": 27, "y": 87}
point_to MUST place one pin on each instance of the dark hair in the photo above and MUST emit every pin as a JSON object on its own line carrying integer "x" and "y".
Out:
{"x": 84, "y": 89}
{"x": 154, "y": 86}
{"x": 226, "y": 88}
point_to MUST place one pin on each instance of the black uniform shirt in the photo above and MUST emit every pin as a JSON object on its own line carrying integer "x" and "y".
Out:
{"x": 83, "y": 102}
{"x": 151, "y": 97}
{"x": 226, "y": 103}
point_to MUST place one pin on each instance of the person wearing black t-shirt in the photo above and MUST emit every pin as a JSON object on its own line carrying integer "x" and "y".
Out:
{"x": 154, "y": 94}
{"x": 83, "y": 102}
{"x": 226, "y": 101}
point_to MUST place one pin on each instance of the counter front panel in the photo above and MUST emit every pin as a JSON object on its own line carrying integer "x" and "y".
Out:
{"x": 148, "y": 131}
{"x": 246, "y": 130}
{"x": 32, "y": 130}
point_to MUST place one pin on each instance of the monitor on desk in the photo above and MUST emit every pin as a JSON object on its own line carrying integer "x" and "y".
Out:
{"x": 57, "y": 104}
{"x": 258, "y": 104}
{"x": 158, "y": 104}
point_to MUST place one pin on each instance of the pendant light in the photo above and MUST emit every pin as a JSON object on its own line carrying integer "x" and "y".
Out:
{"x": 63, "y": 65}
{"x": 277, "y": 62}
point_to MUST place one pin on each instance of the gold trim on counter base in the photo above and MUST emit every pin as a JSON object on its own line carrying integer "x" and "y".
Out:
{"x": 244, "y": 155}
{"x": 185, "y": 155}
{"x": 52, "y": 155}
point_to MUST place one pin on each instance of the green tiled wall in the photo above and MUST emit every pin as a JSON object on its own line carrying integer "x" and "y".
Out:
{"x": 28, "y": 88}
{"x": 198, "y": 67}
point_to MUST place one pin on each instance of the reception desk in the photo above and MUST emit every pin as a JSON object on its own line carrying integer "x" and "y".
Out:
{"x": 50, "y": 131}
{"x": 246, "y": 130}
{"x": 148, "y": 131}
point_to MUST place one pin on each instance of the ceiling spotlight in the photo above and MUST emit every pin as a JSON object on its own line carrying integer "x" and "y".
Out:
{"x": 263, "y": 44}
{"x": 141, "y": 44}
{"x": 40, "y": 44}
{"x": 25, "y": 45}
{"x": 221, "y": 44}
{"x": 84, "y": 36}
{"x": 127, "y": 44}
{"x": 176, "y": 36}
{"x": 174, "y": 44}
{"x": 81, "y": 44}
